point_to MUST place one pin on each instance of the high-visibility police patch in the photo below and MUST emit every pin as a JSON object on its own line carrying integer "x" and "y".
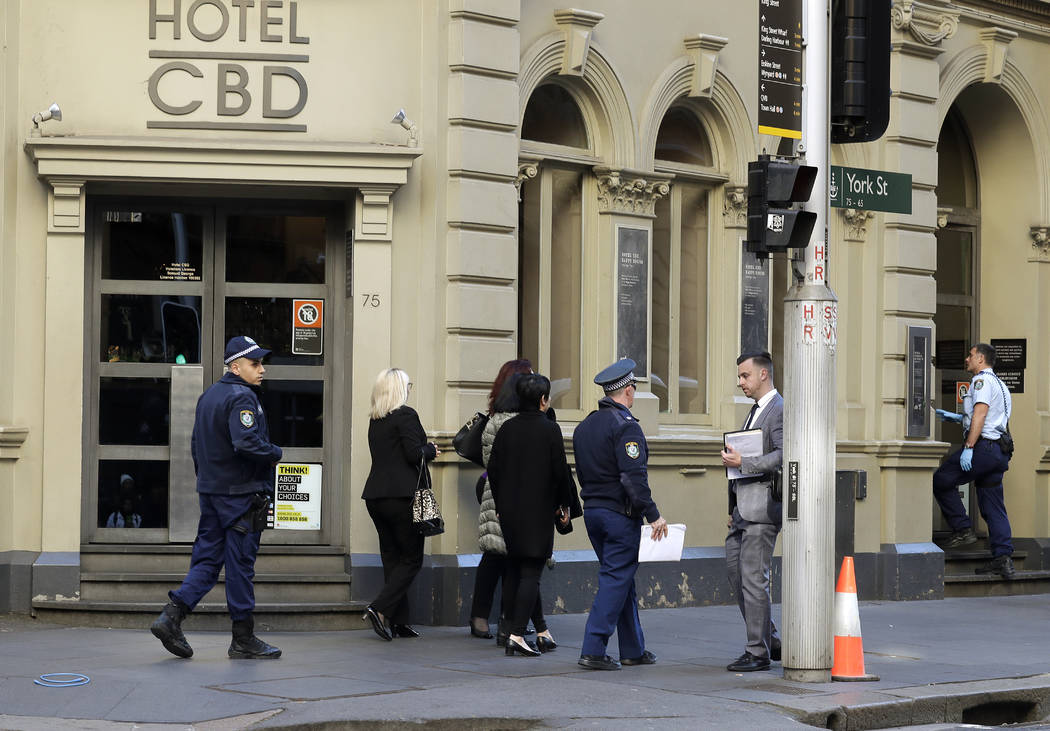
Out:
{"x": 978, "y": 385}
{"x": 632, "y": 450}
{"x": 247, "y": 419}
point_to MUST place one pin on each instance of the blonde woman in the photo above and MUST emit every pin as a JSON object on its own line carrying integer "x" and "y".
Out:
{"x": 398, "y": 445}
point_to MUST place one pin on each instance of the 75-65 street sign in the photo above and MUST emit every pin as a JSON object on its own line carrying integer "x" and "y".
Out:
{"x": 870, "y": 190}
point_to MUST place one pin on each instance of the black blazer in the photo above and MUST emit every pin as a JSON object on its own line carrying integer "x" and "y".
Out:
{"x": 530, "y": 478}
{"x": 397, "y": 443}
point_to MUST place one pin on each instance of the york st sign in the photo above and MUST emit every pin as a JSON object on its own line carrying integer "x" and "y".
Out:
{"x": 869, "y": 190}
{"x": 245, "y": 85}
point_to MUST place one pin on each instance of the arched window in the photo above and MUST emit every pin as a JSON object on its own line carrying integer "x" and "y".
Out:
{"x": 551, "y": 219}
{"x": 680, "y": 271}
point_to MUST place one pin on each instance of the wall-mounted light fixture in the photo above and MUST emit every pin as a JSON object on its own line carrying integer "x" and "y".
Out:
{"x": 52, "y": 112}
{"x": 413, "y": 132}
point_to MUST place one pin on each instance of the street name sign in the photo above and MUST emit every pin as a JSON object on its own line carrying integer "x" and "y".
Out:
{"x": 780, "y": 68}
{"x": 869, "y": 190}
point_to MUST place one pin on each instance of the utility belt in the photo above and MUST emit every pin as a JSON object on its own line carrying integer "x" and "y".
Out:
{"x": 256, "y": 517}
{"x": 1005, "y": 442}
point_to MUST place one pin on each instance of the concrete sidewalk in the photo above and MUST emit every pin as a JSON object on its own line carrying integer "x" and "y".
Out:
{"x": 984, "y": 661}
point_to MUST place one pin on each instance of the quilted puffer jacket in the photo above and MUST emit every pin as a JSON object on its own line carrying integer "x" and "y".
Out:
{"x": 490, "y": 537}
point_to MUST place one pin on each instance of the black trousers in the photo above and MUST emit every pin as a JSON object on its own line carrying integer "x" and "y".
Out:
{"x": 492, "y": 568}
{"x": 401, "y": 550}
{"x": 521, "y": 592}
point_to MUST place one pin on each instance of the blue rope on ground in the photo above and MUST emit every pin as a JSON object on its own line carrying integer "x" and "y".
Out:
{"x": 62, "y": 680}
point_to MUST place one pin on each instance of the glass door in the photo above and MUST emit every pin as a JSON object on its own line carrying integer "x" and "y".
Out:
{"x": 171, "y": 284}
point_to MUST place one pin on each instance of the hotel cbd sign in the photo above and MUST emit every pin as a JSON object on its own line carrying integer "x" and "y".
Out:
{"x": 239, "y": 78}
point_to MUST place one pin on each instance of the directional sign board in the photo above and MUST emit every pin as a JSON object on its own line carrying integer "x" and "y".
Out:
{"x": 870, "y": 190}
{"x": 780, "y": 68}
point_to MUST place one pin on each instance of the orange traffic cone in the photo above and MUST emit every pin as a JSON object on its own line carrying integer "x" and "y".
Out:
{"x": 849, "y": 648}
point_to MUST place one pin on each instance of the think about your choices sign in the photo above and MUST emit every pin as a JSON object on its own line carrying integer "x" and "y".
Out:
{"x": 297, "y": 503}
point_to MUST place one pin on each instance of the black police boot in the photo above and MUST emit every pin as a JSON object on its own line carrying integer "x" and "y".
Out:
{"x": 168, "y": 629}
{"x": 246, "y": 645}
{"x": 1002, "y": 565}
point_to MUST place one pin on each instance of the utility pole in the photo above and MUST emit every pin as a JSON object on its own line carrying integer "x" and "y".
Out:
{"x": 810, "y": 323}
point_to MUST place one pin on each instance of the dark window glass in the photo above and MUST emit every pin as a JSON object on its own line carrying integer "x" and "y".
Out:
{"x": 267, "y": 320}
{"x": 143, "y": 328}
{"x": 151, "y": 246}
{"x": 275, "y": 249}
{"x": 133, "y": 410}
{"x": 956, "y": 170}
{"x": 294, "y": 412}
{"x": 682, "y": 139}
{"x": 552, "y": 115}
{"x": 132, "y": 493}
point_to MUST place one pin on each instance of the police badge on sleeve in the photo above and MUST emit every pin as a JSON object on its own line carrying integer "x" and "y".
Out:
{"x": 633, "y": 450}
{"x": 247, "y": 419}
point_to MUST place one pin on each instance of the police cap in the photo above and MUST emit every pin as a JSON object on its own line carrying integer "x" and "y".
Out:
{"x": 616, "y": 376}
{"x": 242, "y": 346}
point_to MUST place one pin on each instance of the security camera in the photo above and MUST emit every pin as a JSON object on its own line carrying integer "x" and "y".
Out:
{"x": 52, "y": 112}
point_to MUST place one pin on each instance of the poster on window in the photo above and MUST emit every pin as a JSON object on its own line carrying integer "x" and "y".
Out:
{"x": 297, "y": 497}
{"x": 307, "y": 327}
{"x": 632, "y": 297}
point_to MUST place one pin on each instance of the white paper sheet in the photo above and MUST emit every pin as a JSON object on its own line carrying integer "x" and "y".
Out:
{"x": 668, "y": 548}
{"x": 748, "y": 443}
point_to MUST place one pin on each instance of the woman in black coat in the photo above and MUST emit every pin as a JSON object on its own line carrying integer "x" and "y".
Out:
{"x": 399, "y": 450}
{"x": 532, "y": 487}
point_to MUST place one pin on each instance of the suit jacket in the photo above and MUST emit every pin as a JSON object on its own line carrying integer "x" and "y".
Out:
{"x": 752, "y": 496}
{"x": 398, "y": 444}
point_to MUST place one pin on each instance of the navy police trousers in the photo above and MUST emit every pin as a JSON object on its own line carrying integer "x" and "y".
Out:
{"x": 989, "y": 464}
{"x": 615, "y": 538}
{"x": 219, "y": 544}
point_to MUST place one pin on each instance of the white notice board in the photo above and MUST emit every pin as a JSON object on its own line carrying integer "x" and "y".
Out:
{"x": 297, "y": 497}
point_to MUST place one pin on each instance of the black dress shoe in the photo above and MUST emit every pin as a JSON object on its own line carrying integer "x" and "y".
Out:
{"x": 959, "y": 538}
{"x": 748, "y": 663}
{"x": 545, "y": 644}
{"x": 476, "y": 631}
{"x": 598, "y": 662}
{"x": 523, "y": 648}
{"x": 646, "y": 658}
{"x": 775, "y": 650}
{"x": 403, "y": 630}
{"x": 377, "y": 623}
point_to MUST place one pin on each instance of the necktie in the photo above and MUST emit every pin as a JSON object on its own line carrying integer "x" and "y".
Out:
{"x": 750, "y": 416}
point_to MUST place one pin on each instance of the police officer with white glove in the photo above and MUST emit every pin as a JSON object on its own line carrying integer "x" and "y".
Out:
{"x": 984, "y": 458}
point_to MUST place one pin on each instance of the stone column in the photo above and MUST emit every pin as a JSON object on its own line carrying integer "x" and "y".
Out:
{"x": 1039, "y": 353}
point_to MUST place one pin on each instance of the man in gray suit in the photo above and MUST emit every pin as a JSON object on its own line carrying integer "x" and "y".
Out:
{"x": 755, "y": 515}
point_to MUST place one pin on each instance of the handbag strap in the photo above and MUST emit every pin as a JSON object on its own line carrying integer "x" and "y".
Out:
{"x": 423, "y": 480}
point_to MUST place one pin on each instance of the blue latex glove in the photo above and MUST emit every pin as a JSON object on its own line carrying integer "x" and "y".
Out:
{"x": 948, "y": 416}
{"x": 966, "y": 459}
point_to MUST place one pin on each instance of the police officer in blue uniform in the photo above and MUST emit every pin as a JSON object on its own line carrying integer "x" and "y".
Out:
{"x": 611, "y": 456}
{"x": 234, "y": 460}
{"x": 982, "y": 460}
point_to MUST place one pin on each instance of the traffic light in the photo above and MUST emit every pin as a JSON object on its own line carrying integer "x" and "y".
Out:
{"x": 772, "y": 223}
{"x": 860, "y": 69}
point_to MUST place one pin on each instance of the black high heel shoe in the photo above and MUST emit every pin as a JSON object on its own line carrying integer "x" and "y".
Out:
{"x": 502, "y": 633}
{"x": 403, "y": 630}
{"x": 378, "y": 625}
{"x": 526, "y": 649}
{"x": 545, "y": 644}
{"x": 482, "y": 634}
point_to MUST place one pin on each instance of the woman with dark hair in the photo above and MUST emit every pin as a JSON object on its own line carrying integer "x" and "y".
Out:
{"x": 532, "y": 487}
{"x": 490, "y": 539}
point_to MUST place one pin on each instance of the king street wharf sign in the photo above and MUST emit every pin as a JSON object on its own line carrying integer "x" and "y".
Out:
{"x": 780, "y": 68}
{"x": 870, "y": 190}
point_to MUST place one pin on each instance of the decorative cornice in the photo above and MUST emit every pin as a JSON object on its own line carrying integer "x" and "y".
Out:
{"x": 1040, "y": 243}
{"x": 734, "y": 207}
{"x": 928, "y": 23}
{"x": 620, "y": 191}
{"x": 11, "y": 440}
{"x": 856, "y": 223}
{"x": 703, "y": 51}
{"x": 526, "y": 169}
{"x": 579, "y": 26}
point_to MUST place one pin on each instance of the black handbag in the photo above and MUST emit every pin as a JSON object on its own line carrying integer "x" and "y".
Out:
{"x": 426, "y": 513}
{"x": 467, "y": 441}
